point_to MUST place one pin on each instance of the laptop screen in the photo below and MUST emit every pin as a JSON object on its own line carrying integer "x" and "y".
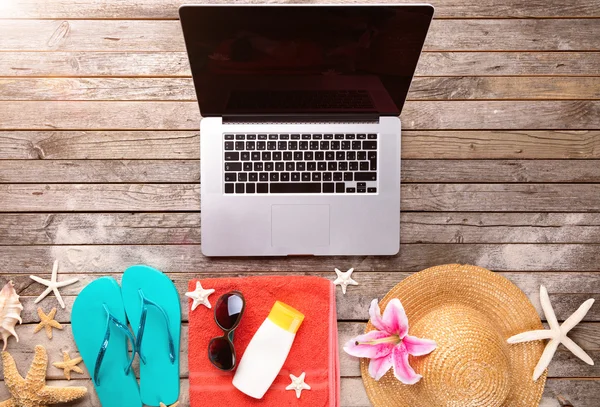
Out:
{"x": 269, "y": 60}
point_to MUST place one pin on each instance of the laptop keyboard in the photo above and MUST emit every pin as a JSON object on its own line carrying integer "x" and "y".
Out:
{"x": 300, "y": 163}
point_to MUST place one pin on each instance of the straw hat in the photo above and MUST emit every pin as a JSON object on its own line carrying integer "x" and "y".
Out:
{"x": 470, "y": 312}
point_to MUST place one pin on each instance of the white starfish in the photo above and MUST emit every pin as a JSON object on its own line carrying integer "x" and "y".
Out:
{"x": 298, "y": 384}
{"x": 557, "y": 333}
{"x": 53, "y": 285}
{"x": 200, "y": 296}
{"x": 344, "y": 279}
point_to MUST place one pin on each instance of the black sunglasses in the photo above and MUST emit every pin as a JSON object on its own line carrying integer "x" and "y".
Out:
{"x": 228, "y": 313}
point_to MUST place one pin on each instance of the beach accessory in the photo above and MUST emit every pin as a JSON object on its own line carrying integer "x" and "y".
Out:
{"x": 154, "y": 312}
{"x": 32, "y": 391}
{"x": 390, "y": 344}
{"x": 100, "y": 330}
{"x": 69, "y": 365}
{"x": 267, "y": 351}
{"x": 53, "y": 285}
{"x": 298, "y": 384}
{"x": 200, "y": 296}
{"x": 344, "y": 279}
{"x": 47, "y": 322}
{"x": 315, "y": 349}
{"x": 557, "y": 333}
{"x": 469, "y": 312}
{"x": 228, "y": 313}
{"x": 10, "y": 313}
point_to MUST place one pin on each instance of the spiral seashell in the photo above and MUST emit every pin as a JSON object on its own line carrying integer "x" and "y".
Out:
{"x": 10, "y": 313}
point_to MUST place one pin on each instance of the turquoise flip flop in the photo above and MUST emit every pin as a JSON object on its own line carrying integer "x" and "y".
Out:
{"x": 101, "y": 334}
{"x": 152, "y": 305}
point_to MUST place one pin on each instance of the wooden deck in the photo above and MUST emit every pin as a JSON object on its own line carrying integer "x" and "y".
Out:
{"x": 99, "y": 163}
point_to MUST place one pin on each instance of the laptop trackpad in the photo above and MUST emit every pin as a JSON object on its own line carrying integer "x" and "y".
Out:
{"x": 298, "y": 227}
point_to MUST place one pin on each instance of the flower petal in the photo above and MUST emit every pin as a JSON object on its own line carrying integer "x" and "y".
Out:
{"x": 394, "y": 318}
{"x": 366, "y": 350}
{"x": 417, "y": 346}
{"x": 375, "y": 315}
{"x": 379, "y": 367}
{"x": 402, "y": 370}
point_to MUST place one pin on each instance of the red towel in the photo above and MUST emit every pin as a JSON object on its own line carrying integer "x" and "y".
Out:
{"x": 314, "y": 350}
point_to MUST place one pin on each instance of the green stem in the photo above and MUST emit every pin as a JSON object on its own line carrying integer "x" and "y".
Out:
{"x": 388, "y": 339}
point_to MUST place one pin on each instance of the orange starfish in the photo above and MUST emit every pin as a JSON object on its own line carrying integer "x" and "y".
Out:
{"x": 69, "y": 365}
{"x": 48, "y": 322}
{"x": 32, "y": 391}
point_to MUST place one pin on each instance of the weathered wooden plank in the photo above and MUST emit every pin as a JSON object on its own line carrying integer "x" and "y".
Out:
{"x": 564, "y": 364}
{"x": 100, "y": 144}
{"x": 582, "y": 392}
{"x": 90, "y": 399}
{"x": 505, "y": 63}
{"x": 432, "y": 227}
{"x": 417, "y": 115}
{"x": 495, "y": 171}
{"x": 512, "y": 35}
{"x": 172, "y": 64}
{"x": 100, "y": 228}
{"x": 186, "y": 144}
{"x": 517, "y": 88}
{"x": 175, "y": 64}
{"x": 185, "y": 171}
{"x": 91, "y": 35}
{"x": 167, "y": 9}
{"x": 162, "y": 35}
{"x": 352, "y": 306}
{"x": 505, "y": 115}
{"x": 188, "y": 258}
{"x": 501, "y": 197}
{"x": 100, "y": 115}
{"x": 104, "y": 171}
{"x": 567, "y": 289}
{"x": 100, "y": 88}
{"x": 415, "y": 197}
{"x": 500, "y": 144}
{"x": 99, "y": 197}
{"x": 184, "y": 228}
{"x": 422, "y": 88}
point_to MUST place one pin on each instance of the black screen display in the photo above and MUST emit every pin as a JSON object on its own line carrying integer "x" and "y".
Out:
{"x": 304, "y": 59}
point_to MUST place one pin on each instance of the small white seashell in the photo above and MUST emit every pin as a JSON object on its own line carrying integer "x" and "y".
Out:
{"x": 10, "y": 313}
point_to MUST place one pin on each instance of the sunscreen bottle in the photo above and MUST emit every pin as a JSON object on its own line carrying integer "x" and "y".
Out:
{"x": 267, "y": 351}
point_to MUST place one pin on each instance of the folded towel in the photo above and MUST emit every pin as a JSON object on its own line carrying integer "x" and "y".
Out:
{"x": 314, "y": 350}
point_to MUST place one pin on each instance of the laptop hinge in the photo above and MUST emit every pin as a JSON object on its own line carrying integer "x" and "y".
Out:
{"x": 303, "y": 118}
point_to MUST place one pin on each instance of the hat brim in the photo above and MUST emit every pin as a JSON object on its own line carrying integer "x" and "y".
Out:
{"x": 491, "y": 295}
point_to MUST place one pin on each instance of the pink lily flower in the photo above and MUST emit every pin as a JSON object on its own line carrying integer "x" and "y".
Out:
{"x": 390, "y": 345}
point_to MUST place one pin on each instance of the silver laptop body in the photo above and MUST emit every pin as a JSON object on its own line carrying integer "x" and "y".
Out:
{"x": 294, "y": 162}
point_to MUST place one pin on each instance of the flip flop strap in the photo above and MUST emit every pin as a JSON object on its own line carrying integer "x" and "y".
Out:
{"x": 140, "y": 334}
{"x": 111, "y": 319}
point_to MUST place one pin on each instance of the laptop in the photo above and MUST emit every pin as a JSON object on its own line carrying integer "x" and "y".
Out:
{"x": 300, "y": 136}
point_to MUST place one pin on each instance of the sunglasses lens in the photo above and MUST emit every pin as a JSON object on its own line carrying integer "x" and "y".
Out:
{"x": 221, "y": 354}
{"x": 228, "y": 310}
